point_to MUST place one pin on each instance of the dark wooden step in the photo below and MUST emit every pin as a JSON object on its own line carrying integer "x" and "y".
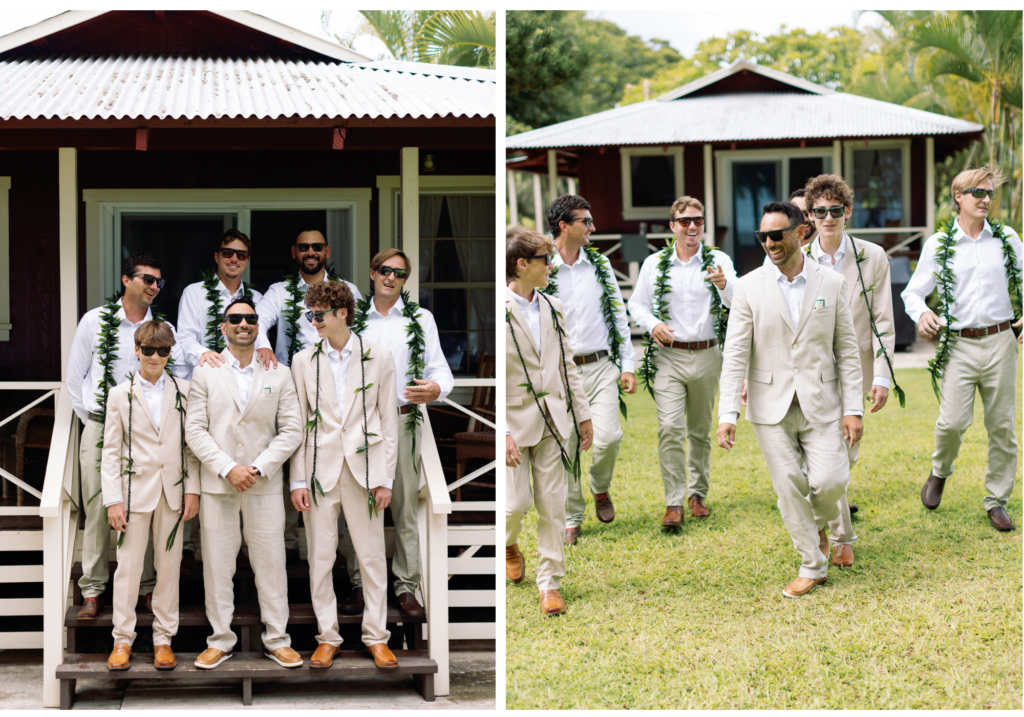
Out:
{"x": 189, "y": 615}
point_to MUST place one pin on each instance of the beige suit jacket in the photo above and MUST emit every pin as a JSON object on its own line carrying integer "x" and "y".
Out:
{"x": 340, "y": 433}
{"x": 156, "y": 457}
{"x": 524, "y": 420}
{"x": 875, "y": 269}
{"x": 264, "y": 432}
{"x": 818, "y": 361}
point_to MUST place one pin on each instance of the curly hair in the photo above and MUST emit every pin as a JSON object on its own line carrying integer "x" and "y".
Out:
{"x": 332, "y": 295}
{"x": 830, "y": 187}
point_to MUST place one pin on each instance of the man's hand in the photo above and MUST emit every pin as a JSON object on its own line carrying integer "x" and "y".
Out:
{"x": 853, "y": 429}
{"x": 743, "y": 393}
{"x": 266, "y": 357}
{"x": 929, "y": 324}
{"x": 662, "y": 335}
{"x": 726, "y": 435}
{"x": 1020, "y": 339}
{"x": 383, "y": 497}
{"x": 879, "y": 395}
{"x": 117, "y": 517}
{"x": 191, "y": 506}
{"x": 211, "y": 358}
{"x": 242, "y": 478}
{"x": 300, "y": 499}
{"x": 586, "y": 434}
{"x": 512, "y": 454}
{"x": 422, "y": 392}
{"x": 628, "y": 381}
{"x": 717, "y": 276}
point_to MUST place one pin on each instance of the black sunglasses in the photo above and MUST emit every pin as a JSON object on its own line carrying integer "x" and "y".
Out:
{"x": 242, "y": 254}
{"x": 318, "y": 247}
{"x": 836, "y": 212}
{"x": 162, "y": 351}
{"x": 317, "y": 316}
{"x": 588, "y": 221}
{"x": 148, "y": 279}
{"x": 687, "y": 221}
{"x": 775, "y": 235}
{"x": 545, "y": 257}
{"x": 236, "y": 319}
{"x": 388, "y": 270}
{"x": 980, "y": 193}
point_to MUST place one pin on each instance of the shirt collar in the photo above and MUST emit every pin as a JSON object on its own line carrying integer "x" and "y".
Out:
{"x": 523, "y": 303}
{"x": 159, "y": 382}
{"x": 345, "y": 350}
{"x": 817, "y": 252}
{"x": 399, "y": 305}
{"x": 236, "y": 364}
{"x": 225, "y": 291}
{"x": 123, "y": 317}
{"x": 680, "y": 262}
{"x": 782, "y": 278}
{"x": 986, "y": 232}
{"x": 582, "y": 258}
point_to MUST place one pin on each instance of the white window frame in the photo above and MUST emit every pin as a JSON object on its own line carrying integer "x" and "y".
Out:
{"x": 631, "y": 213}
{"x": 103, "y": 208}
{"x": 5, "y": 260}
{"x": 903, "y": 144}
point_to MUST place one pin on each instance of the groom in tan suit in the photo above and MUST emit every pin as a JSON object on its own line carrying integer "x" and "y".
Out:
{"x": 243, "y": 424}
{"x": 351, "y": 382}
{"x": 540, "y": 431}
{"x": 791, "y": 334}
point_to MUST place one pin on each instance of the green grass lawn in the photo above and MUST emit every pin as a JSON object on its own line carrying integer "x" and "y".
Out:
{"x": 928, "y": 617}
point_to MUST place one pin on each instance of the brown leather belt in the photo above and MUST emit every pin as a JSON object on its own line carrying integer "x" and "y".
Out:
{"x": 589, "y": 358}
{"x": 695, "y": 346}
{"x": 982, "y": 333}
{"x": 402, "y": 410}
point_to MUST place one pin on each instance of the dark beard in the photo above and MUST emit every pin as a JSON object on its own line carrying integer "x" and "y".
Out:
{"x": 811, "y": 232}
{"x": 319, "y": 266}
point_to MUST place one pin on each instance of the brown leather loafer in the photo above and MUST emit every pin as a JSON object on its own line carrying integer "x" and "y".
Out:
{"x": 284, "y": 656}
{"x": 931, "y": 494}
{"x": 410, "y": 607}
{"x": 673, "y": 517}
{"x": 120, "y": 658}
{"x": 697, "y": 507}
{"x": 802, "y": 586}
{"x": 189, "y": 566}
{"x": 383, "y": 658}
{"x": 603, "y": 507}
{"x": 210, "y": 658}
{"x": 515, "y": 564}
{"x": 90, "y": 609}
{"x": 572, "y": 535}
{"x": 353, "y": 604}
{"x": 551, "y": 603}
{"x": 324, "y": 656}
{"x": 146, "y": 604}
{"x": 842, "y": 556}
{"x": 823, "y": 542}
{"x": 163, "y": 657}
{"x": 1000, "y": 520}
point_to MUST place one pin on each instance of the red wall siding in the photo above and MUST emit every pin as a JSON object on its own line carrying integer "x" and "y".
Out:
{"x": 918, "y": 176}
{"x": 600, "y": 183}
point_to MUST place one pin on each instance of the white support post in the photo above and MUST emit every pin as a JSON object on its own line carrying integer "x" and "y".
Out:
{"x": 53, "y": 607}
{"x": 572, "y": 185}
{"x": 409, "y": 187}
{"x": 67, "y": 181}
{"x": 538, "y": 203}
{"x": 709, "y": 197}
{"x": 513, "y": 203}
{"x": 929, "y": 184}
{"x": 437, "y": 639}
{"x": 837, "y": 158}
{"x": 552, "y": 175}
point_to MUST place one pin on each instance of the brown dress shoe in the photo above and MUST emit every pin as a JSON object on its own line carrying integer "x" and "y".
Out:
{"x": 410, "y": 607}
{"x": 353, "y": 604}
{"x": 802, "y": 586}
{"x": 163, "y": 657}
{"x": 284, "y": 656}
{"x": 120, "y": 658}
{"x": 673, "y": 517}
{"x": 551, "y": 603}
{"x": 603, "y": 507}
{"x": 146, "y": 604}
{"x": 90, "y": 609}
{"x": 189, "y": 566}
{"x": 697, "y": 507}
{"x": 842, "y": 556}
{"x": 931, "y": 494}
{"x": 324, "y": 656}
{"x": 823, "y": 542}
{"x": 515, "y": 564}
{"x": 210, "y": 658}
{"x": 1000, "y": 520}
{"x": 572, "y": 535}
{"x": 383, "y": 658}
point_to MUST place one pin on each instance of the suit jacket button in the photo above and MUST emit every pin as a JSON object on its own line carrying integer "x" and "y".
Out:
{"x": 239, "y": 444}
{"x": 796, "y": 370}
{"x": 241, "y": 423}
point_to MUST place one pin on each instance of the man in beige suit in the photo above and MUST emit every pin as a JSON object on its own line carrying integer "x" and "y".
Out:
{"x": 544, "y": 399}
{"x": 243, "y": 424}
{"x": 143, "y": 487}
{"x": 346, "y": 388}
{"x": 791, "y": 334}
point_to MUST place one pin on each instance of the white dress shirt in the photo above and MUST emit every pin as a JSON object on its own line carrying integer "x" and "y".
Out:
{"x": 84, "y": 370}
{"x": 243, "y": 379}
{"x": 193, "y": 310}
{"x": 531, "y": 312}
{"x": 688, "y": 298}
{"x": 270, "y": 310}
{"x": 154, "y": 395}
{"x": 981, "y": 295}
{"x": 582, "y": 293}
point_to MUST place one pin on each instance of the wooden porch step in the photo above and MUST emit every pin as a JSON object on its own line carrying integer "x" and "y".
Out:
{"x": 294, "y": 571}
{"x": 189, "y": 615}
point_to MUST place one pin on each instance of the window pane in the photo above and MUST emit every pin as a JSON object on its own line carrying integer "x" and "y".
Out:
{"x": 451, "y": 260}
{"x": 425, "y": 299}
{"x": 450, "y": 309}
{"x": 454, "y": 347}
{"x": 481, "y": 216}
{"x": 878, "y": 187}
{"x": 653, "y": 181}
{"x": 479, "y": 342}
{"x": 426, "y": 248}
{"x": 481, "y": 309}
{"x": 482, "y": 260}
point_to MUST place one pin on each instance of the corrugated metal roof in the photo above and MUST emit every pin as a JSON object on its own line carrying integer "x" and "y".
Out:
{"x": 178, "y": 87}
{"x": 742, "y": 117}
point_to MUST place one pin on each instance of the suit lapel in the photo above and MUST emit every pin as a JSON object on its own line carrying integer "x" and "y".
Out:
{"x": 256, "y": 388}
{"x": 328, "y": 389}
{"x": 227, "y": 375}
{"x": 810, "y": 293}
{"x": 774, "y": 291}
{"x": 139, "y": 397}
{"x": 165, "y": 410}
{"x": 354, "y": 377}
{"x": 524, "y": 328}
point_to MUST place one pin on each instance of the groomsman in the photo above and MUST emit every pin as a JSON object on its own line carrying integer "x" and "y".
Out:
{"x": 686, "y": 355}
{"x": 243, "y": 424}
{"x": 143, "y": 435}
{"x": 544, "y": 398}
{"x": 351, "y": 382}
{"x": 981, "y": 354}
{"x": 596, "y": 343}
{"x": 791, "y": 333}
{"x": 141, "y": 279}
{"x": 385, "y": 323}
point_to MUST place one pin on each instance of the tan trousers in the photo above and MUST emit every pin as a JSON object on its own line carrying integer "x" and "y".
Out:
{"x": 367, "y": 536}
{"x": 548, "y": 495}
{"x": 96, "y": 536}
{"x": 684, "y": 394}
{"x": 601, "y": 384}
{"x": 989, "y": 366}
{"x": 263, "y": 516}
{"x": 144, "y": 530}
{"x": 808, "y": 502}
{"x": 291, "y": 516}
{"x": 405, "y": 496}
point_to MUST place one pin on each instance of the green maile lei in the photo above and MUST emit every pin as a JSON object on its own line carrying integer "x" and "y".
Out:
{"x": 293, "y": 309}
{"x": 572, "y": 466}
{"x": 313, "y": 424}
{"x": 609, "y": 305}
{"x": 945, "y": 279}
{"x": 215, "y": 340}
{"x": 417, "y": 350}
